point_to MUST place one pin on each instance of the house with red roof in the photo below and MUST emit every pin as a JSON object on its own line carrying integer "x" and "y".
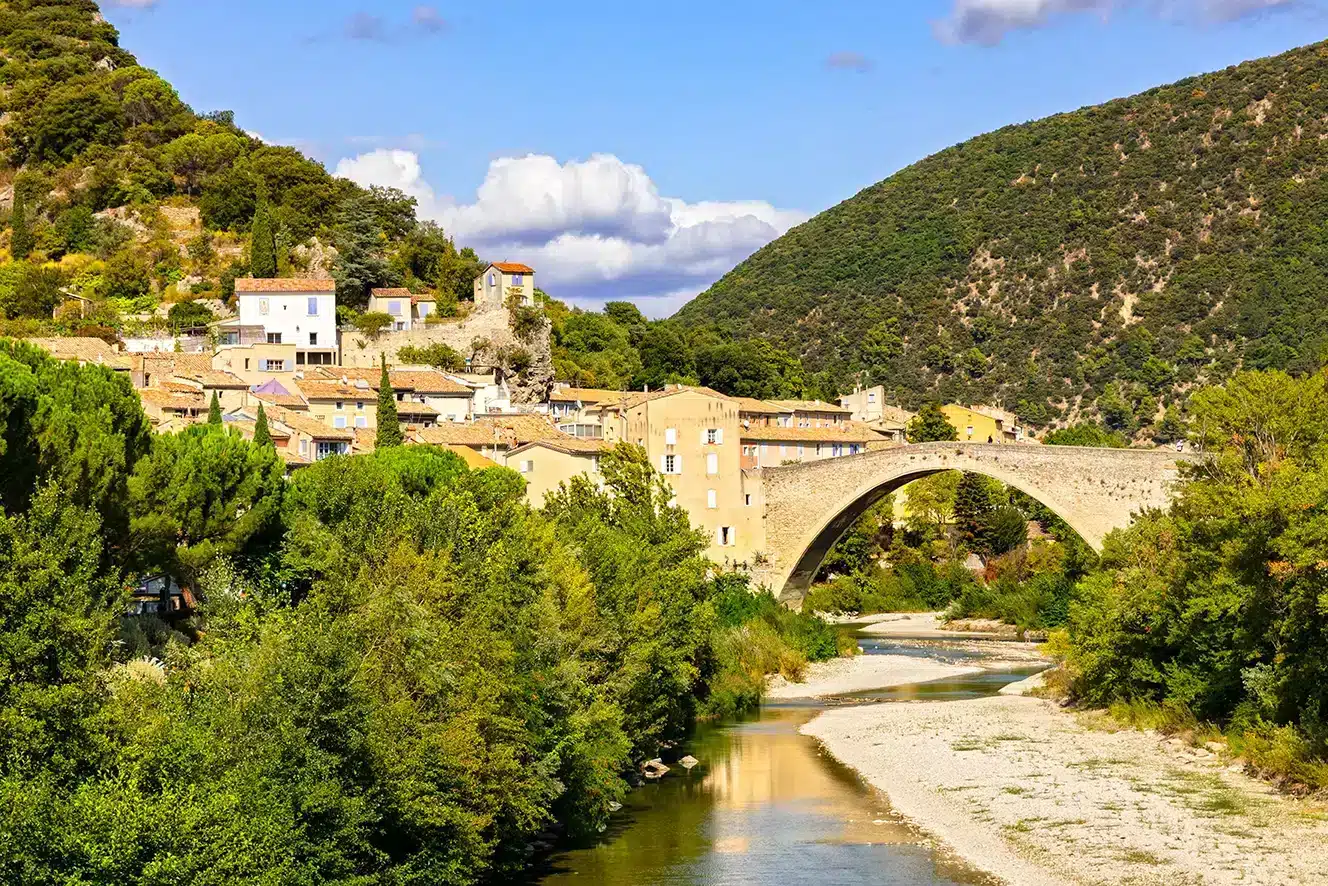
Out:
{"x": 503, "y": 279}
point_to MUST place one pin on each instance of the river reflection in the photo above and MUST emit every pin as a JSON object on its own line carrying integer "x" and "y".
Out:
{"x": 767, "y": 806}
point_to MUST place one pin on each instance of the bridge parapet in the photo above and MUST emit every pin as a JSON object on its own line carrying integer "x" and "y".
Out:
{"x": 809, "y": 506}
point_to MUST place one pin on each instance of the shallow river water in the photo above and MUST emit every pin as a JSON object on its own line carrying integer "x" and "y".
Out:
{"x": 767, "y": 806}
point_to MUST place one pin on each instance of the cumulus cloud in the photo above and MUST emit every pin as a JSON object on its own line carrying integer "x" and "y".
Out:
{"x": 594, "y": 229}
{"x": 849, "y": 61}
{"x": 369, "y": 27}
{"x": 987, "y": 22}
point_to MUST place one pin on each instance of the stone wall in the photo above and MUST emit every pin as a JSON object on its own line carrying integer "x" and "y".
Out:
{"x": 809, "y": 506}
{"x": 488, "y": 325}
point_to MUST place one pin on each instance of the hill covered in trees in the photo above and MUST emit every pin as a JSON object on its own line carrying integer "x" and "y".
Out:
{"x": 113, "y": 187}
{"x": 1101, "y": 262}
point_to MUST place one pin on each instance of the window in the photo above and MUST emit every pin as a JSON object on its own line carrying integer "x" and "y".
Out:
{"x": 394, "y": 308}
{"x": 871, "y": 398}
{"x": 330, "y": 447}
{"x": 340, "y": 405}
{"x": 594, "y": 464}
{"x": 714, "y": 436}
{"x": 313, "y": 307}
{"x": 359, "y": 405}
{"x": 492, "y": 281}
{"x": 262, "y": 306}
{"x": 339, "y": 422}
{"x": 246, "y": 363}
{"x": 853, "y": 449}
{"x": 801, "y": 450}
{"x": 670, "y": 436}
{"x": 299, "y": 358}
{"x": 726, "y": 536}
{"x": 361, "y": 421}
{"x": 269, "y": 365}
{"x": 712, "y": 464}
{"x": 313, "y": 338}
{"x": 518, "y": 279}
{"x": 670, "y": 464}
{"x": 747, "y": 499}
{"x": 970, "y": 430}
{"x": 712, "y": 499}
{"x": 304, "y": 447}
{"x": 527, "y": 466}
{"x": 274, "y": 338}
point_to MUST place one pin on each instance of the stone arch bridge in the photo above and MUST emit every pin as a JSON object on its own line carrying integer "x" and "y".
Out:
{"x": 807, "y": 507}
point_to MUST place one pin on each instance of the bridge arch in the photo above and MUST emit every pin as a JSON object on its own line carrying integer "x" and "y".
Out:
{"x": 808, "y": 507}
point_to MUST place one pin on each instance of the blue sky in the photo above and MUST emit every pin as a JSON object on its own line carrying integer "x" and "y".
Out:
{"x": 640, "y": 150}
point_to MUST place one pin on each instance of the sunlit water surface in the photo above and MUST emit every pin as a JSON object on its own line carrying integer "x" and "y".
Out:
{"x": 767, "y": 806}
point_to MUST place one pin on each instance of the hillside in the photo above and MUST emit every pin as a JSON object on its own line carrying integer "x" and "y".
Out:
{"x": 1102, "y": 261}
{"x": 112, "y": 186}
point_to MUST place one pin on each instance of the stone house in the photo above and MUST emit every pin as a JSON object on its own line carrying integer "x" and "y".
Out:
{"x": 407, "y": 309}
{"x": 547, "y": 464}
{"x": 499, "y": 279}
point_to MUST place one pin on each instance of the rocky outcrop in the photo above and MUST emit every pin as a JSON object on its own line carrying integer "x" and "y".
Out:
{"x": 485, "y": 335}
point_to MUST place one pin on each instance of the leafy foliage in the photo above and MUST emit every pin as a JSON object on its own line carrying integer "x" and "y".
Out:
{"x": 389, "y": 425}
{"x": 1096, "y": 262}
{"x": 930, "y": 425}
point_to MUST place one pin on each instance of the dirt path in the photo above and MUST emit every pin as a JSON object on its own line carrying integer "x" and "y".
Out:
{"x": 1037, "y": 795}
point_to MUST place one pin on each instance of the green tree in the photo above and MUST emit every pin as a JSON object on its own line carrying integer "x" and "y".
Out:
{"x": 204, "y": 493}
{"x": 389, "y": 425}
{"x": 1086, "y": 434}
{"x": 373, "y": 323}
{"x": 975, "y": 501}
{"x": 438, "y": 354}
{"x": 189, "y": 315}
{"x": 360, "y": 265}
{"x": 930, "y": 425}
{"x": 666, "y": 357}
{"x": 263, "y": 241}
{"x": 20, "y": 238}
{"x": 214, "y": 411}
{"x": 262, "y": 436}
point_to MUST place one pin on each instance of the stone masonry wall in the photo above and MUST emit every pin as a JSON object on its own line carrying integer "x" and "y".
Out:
{"x": 488, "y": 323}
{"x": 807, "y": 506}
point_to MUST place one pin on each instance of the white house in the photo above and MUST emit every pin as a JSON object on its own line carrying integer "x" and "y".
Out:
{"x": 297, "y": 311}
{"x": 501, "y": 277}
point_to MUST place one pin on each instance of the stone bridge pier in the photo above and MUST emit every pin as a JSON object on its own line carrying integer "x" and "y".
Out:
{"x": 808, "y": 507}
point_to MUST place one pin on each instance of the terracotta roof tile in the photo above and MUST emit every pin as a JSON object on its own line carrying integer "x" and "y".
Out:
{"x": 585, "y": 395}
{"x": 316, "y": 429}
{"x": 84, "y": 349}
{"x": 334, "y": 390}
{"x": 391, "y": 292}
{"x": 811, "y": 435}
{"x": 571, "y": 445}
{"x": 421, "y": 381}
{"x": 286, "y": 401}
{"x": 284, "y": 284}
{"x": 511, "y": 267}
{"x": 214, "y": 378}
{"x": 812, "y": 406}
{"x": 164, "y": 399}
{"x": 409, "y": 407}
{"x": 752, "y": 406}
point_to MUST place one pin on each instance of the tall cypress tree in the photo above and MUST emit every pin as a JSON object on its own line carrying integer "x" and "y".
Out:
{"x": 262, "y": 436}
{"x": 20, "y": 242}
{"x": 214, "y": 411}
{"x": 389, "y": 426}
{"x": 973, "y": 508}
{"x": 263, "y": 245}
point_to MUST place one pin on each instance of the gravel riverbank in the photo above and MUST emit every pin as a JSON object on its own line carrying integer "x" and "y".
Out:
{"x": 1037, "y": 795}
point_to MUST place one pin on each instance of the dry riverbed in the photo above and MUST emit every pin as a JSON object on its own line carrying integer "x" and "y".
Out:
{"x": 1038, "y": 795}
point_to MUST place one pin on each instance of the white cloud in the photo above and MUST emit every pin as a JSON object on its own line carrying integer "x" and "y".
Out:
{"x": 595, "y": 230}
{"x": 987, "y": 22}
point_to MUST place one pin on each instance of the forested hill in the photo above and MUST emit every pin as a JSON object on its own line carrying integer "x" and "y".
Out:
{"x": 1103, "y": 259}
{"x": 112, "y": 185}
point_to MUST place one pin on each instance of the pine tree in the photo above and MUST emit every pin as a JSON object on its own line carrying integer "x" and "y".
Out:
{"x": 214, "y": 411}
{"x": 262, "y": 436}
{"x": 20, "y": 242}
{"x": 263, "y": 247}
{"x": 389, "y": 426}
{"x": 973, "y": 508}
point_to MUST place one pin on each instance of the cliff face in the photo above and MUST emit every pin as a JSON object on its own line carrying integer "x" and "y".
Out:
{"x": 486, "y": 335}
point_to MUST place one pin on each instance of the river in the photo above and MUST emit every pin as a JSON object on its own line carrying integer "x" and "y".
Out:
{"x": 767, "y": 806}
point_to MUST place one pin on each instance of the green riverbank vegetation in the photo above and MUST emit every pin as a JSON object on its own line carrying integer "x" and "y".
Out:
{"x": 1210, "y": 616}
{"x": 398, "y": 671}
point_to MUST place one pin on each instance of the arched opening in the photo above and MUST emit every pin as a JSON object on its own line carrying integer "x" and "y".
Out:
{"x": 808, "y": 565}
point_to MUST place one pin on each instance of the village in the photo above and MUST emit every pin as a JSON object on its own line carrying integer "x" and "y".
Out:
{"x": 318, "y": 387}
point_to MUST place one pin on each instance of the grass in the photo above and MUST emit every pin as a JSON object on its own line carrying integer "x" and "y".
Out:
{"x": 1140, "y": 856}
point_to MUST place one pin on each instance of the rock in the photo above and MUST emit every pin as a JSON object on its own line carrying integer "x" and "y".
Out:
{"x": 654, "y": 769}
{"x": 614, "y": 805}
{"x": 688, "y": 762}
{"x": 1215, "y": 746}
